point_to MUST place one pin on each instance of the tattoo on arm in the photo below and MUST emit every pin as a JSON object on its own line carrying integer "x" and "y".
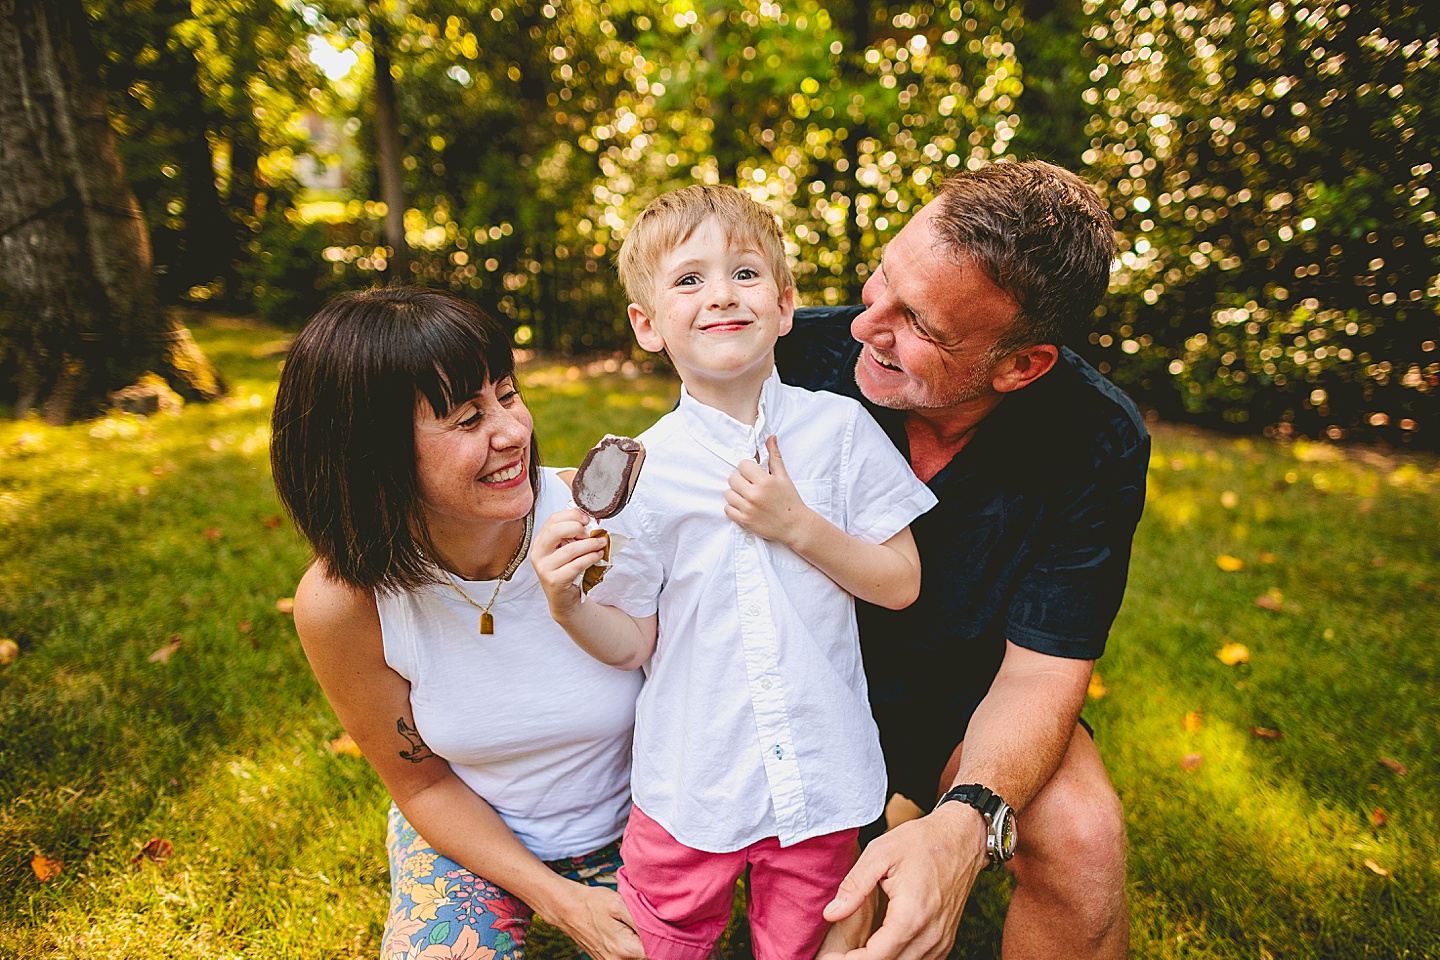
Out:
{"x": 418, "y": 751}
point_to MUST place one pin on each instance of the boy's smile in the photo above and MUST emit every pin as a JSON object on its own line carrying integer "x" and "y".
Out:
{"x": 717, "y": 312}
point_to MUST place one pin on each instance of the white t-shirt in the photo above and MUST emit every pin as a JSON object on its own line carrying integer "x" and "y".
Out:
{"x": 754, "y": 720}
{"x": 527, "y": 719}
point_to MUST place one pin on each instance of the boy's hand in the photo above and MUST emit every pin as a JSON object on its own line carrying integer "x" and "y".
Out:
{"x": 561, "y": 552}
{"x": 767, "y": 504}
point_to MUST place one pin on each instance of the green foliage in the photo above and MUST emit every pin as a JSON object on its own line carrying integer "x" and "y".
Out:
{"x": 127, "y": 531}
{"x": 1270, "y": 166}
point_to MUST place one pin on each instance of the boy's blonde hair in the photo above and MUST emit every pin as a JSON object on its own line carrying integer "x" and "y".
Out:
{"x": 669, "y": 220}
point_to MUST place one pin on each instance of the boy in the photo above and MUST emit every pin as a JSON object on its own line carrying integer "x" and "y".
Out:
{"x": 754, "y": 744}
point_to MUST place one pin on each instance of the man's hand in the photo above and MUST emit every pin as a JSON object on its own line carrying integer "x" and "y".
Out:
{"x": 767, "y": 503}
{"x": 926, "y": 868}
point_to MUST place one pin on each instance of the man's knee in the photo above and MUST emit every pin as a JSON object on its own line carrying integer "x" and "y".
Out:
{"x": 1075, "y": 826}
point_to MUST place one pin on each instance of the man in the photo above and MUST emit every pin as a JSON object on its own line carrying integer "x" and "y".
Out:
{"x": 1039, "y": 465}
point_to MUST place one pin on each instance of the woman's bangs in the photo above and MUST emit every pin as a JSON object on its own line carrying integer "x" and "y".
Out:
{"x": 463, "y": 359}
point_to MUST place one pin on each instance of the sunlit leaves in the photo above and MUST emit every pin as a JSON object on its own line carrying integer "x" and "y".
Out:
{"x": 1271, "y": 176}
{"x": 1233, "y": 653}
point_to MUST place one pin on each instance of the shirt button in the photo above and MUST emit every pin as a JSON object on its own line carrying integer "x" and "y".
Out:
{"x": 779, "y": 754}
{"x": 766, "y": 683}
{"x": 749, "y": 538}
{"x": 752, "y": 608}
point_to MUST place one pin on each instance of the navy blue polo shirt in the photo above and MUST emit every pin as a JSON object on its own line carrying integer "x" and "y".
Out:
{"x": 1030, "y": 542}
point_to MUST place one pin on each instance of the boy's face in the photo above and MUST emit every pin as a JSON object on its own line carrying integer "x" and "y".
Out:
{"x": 717, "y": 311}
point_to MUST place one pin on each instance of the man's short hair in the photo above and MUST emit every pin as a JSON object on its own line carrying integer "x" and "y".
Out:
{"x": 1041, "y": 234}
{"x": 669, "y": 220}
{"x": 342, "y": 446}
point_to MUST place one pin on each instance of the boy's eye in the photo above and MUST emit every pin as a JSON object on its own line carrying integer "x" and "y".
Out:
{"x": 689, "y": 280}
{"x": 746, "y": 273}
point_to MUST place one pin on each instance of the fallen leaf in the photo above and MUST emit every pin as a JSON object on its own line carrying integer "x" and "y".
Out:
{"x": 158, "y": 471}
{"x": 1394, "y": 766}
{"x": 1233, "y": 653}
{"x": 1191, "y": 761}
{"x": 1376, "y": 868}
{"x": 9, "y": 650}
{"x": 345, "y": 746}
{"x": 1272, "y": 600}
{"x": 1192, "y": 722}
{"x": 1377, "y": 562}
{"x": 212, "y": 534}
{"x": 285, "y": 604}
{"x": 244, "y": 626}
{"x": 45, "y": 868}
{"x": 1266, "y": 556}
{"x": 1366, "y": 506}
{"x": 156, "y": 850}
{"x": 1378, "y": 818}
{"x": 1228, "y": 563}
{"x": 1097, "y": 688}
{"x": 271, "y": 522}
{"x": 1265, "y": 733}
{"x": 164, "y": 654}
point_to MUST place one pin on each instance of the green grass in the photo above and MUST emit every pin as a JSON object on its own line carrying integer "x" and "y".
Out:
{"x": 117, "y": 535}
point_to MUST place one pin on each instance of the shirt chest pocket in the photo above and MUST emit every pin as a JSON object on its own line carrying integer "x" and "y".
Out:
{"x": 817, "y": 496}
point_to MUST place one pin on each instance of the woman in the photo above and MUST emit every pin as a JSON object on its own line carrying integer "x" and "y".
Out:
{"x": 403, "y": 450}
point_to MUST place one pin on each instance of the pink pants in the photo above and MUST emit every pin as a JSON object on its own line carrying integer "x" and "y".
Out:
{"x": 680, "y": 897}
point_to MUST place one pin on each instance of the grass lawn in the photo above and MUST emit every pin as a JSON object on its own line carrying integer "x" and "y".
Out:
{"x": 1285, "y": 805}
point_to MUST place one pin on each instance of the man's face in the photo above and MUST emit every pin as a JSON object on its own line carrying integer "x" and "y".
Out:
{"x": 930, "y": 325}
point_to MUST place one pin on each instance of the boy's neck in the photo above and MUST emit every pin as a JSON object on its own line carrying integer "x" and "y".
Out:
{"x": 737, "y": 398}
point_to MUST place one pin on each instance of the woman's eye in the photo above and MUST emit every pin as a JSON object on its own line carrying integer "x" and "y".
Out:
{"x": 473, "y": 419}
{"x": 509, "y": 396}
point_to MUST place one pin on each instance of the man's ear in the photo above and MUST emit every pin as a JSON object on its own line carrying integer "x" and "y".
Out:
{"x": 787, "y": 310}
{"x": 646, "y": 333}
{"x": 1024, "y": 367}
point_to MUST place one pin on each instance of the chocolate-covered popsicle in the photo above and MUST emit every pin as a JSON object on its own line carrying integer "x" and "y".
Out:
{"x": 607, "y": 476}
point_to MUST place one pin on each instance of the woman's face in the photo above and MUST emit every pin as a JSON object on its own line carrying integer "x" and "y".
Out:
{"x": 474, "y": 465}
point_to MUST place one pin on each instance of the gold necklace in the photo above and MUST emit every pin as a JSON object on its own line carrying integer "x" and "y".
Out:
{"x": 487, "y": 621}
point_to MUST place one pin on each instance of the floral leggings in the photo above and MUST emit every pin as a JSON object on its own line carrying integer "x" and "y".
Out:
{"x": 441, "y": 911}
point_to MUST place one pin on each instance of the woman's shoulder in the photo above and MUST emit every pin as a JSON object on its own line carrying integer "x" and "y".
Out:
{"x": 328, "y": 607}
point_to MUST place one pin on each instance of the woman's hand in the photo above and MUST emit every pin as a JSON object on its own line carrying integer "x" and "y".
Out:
{"x": 597, "y": 919}
{"x": 562, "y": 551}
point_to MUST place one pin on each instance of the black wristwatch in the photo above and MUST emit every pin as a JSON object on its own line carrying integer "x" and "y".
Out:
{"x": 1000, "y": 835}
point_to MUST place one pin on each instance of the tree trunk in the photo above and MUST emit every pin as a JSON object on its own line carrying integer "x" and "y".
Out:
{"x": 387, "y": 142}
{"x": 79, "y": 316}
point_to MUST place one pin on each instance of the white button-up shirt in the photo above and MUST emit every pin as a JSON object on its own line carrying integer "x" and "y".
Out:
{"x": 754, "y": 720}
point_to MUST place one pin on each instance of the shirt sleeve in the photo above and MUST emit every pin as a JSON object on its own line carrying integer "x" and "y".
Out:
{"x": 882, "y": 493}
{"x": 1066, "y": 600}
{"x": 637, "y": 570}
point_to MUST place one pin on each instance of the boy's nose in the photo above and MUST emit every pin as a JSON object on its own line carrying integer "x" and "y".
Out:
{"x": 722, "y": 294}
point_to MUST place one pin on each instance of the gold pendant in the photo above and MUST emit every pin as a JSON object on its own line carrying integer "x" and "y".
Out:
{"x": 487, "y": 624}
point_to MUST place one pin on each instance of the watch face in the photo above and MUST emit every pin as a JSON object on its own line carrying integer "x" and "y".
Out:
{"x": 1008, "y": 838}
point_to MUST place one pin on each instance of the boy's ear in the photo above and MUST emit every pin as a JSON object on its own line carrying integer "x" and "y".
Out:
{"x": 787, "y": 310}
{"x": 646, "y": 333}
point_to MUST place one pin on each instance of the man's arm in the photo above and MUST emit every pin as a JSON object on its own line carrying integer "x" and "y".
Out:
{"x": 1014, "y": 744}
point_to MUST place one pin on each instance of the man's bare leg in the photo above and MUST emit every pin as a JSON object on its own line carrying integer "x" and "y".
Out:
{"x": 1070, "y": 897}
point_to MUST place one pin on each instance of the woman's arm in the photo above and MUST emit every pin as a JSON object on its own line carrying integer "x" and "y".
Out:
{"x": 339, "y": 628}
{"x": 562, "y": 552}
{"x": 767, "y": 504}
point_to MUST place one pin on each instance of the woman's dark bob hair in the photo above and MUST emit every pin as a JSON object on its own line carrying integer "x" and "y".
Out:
{"x": 342, "y": 443}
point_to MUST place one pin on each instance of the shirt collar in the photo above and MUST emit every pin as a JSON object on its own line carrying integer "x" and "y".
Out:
{"x": 726, "y": 437}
